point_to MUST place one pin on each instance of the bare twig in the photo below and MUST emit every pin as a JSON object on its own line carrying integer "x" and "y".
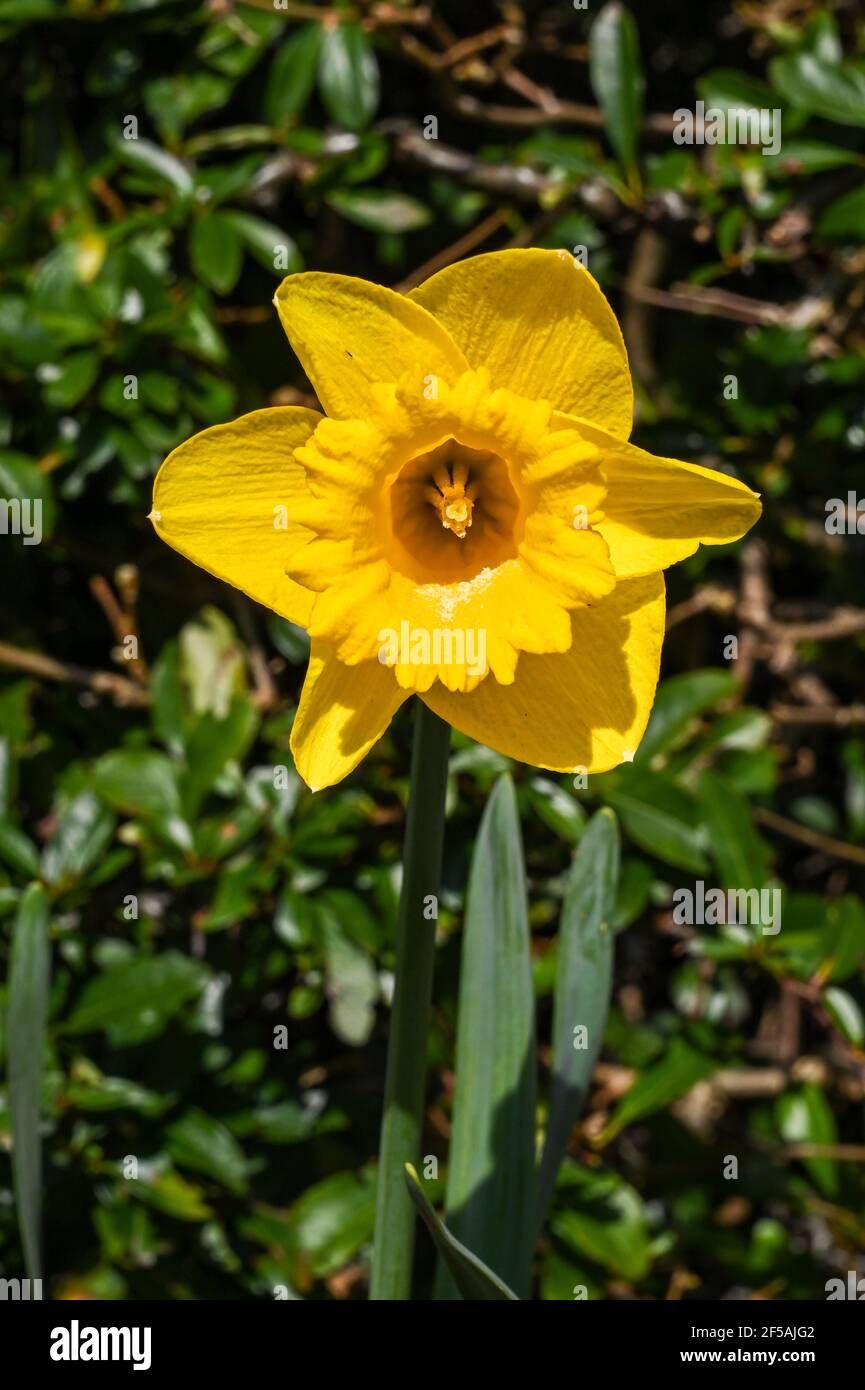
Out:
{"x": 842, "y": 716}
{"x": 461, "y": 247}
{"x": 562, "y": 112}
{"x": 516, "y": 180}
{"x": 826, "y": 844}
{"x": 123, "y": 691}
{"x": 845, "y": 1153}
{"x": 712, "y": 598}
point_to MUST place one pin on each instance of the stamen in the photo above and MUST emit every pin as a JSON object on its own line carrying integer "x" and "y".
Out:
{"x": 453, "y": 501}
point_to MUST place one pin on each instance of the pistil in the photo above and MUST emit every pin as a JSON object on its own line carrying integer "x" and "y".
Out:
{"x": 453, "y": 497}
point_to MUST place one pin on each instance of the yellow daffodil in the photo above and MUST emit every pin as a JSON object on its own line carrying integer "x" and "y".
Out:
{"x": 467, "y": 521}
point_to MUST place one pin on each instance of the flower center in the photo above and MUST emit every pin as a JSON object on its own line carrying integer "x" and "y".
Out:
{"x": 453, "y": 496}
{"x": 454, "y": 513}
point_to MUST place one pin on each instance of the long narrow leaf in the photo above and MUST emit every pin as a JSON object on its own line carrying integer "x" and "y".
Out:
{"x": 491, "y": 1172}
{"x": 28, "y": 1009}
{"x": 583, "y": 977}
{"x": 470, "y": 1274}
{"x": 617, "y": 79}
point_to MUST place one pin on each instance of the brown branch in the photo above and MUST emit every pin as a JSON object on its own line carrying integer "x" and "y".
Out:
{"x": 122, "y": 619}
{"x": 842, "y": 622}
{"x": 644, "y": 269}
{"x": 461, "y": 247}
{"x": 843, "y": 717}
{"x": 124, "y": 692}
{"x": 846, "y": 1153}
{"x": 826, "y": 844}
{"x": 517, "y": 181}
{"x": 712, "y": 597}
{"x": 561, "y": 112}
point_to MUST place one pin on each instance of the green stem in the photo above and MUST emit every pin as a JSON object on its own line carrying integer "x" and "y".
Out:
{"x": 406, "y": 1054}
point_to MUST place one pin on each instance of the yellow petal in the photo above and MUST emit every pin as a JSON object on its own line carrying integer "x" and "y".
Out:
{"x": 658, "y": 510}
{"x": 343, "y": 711}
{"x": 540, "y": 323}
{"x": 225, "y": 499}
{"x": 586, "y": 709}
{"x": 350, "y": 334}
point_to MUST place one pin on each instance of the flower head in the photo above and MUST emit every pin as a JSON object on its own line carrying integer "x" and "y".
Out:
{"x": 467, "y": 521}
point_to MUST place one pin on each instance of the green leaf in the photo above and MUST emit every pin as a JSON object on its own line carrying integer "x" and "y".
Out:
{"x": 583, "y": 981}
{"x": 836, "y": 91}
{"x": 21, "y": 479}
{"x": 202, "y": 1143}
{"x": 270, "y": 245}
{"x": 491, "y": 1167}
{"x": 379, "y": 210}
{"x": 216, "y": 251}
{"x": 676, "y": 1072}
{"x": 742, "y": 858}
{"x": 134, "y": 1000}
{"x": 617, "y": 78}
{"x": 470, "y": 1275}
{"x": 660, "y": 817}
{"x": 333, "y": 1220}
{"x": 29, "y": 975}
{"x": 604, "y": 1220}
{"x": 82, "y": 835}
{"x": 802, "y": 157}
{"x": 166, "y": 710}
{"x": 678, "y": 703}
{"x": 211, "y": 744}
{"x": 846, "y": 1014}
{"x": 727, "y": 89}
{"x": 211, "y": 662}
{"x": 152, "y": 159}
{"x": 175, "y": 102}
{"x": 557, "y": 808}
{"x": 170, "y": 1193}
{"x": 18, "y": 850}
{"x": 845, "y": 217}
{"x": 352, "y": 984}
{"x": 292, "y": 74}
{"x": 139, "y": 781}
{"x": 239, "y": 888}
{"x": 100, "y": 1093}
{"x": 805, "y": 1117}
{"x": 348, "y": 76}
{"x": 73, "y": 380}
{"x": 842, "y": 941}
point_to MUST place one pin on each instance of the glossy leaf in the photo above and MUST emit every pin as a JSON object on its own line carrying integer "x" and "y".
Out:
{"x": 617, "y": 78}
{"x": 742, "y": 857}
{"x": 216, "y": 251}
{"x": 28, "y": 1011}
{"x": 470, "y": 1275}
{"x": 491, "y": 1163}
{"x": 661, "y": 817}
{"x": 824, "y": 88}
{"x": 292, "y": 74}
{"x": 348, "y": 76}
{"x": 583, "y": 982}
{"x": 676, "y": 1072}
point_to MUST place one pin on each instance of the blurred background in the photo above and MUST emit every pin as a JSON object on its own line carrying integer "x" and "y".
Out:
{"x": 223, "y": 951}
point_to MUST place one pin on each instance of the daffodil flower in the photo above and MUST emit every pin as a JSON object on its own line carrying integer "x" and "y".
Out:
{"x": 467, "y": 521}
